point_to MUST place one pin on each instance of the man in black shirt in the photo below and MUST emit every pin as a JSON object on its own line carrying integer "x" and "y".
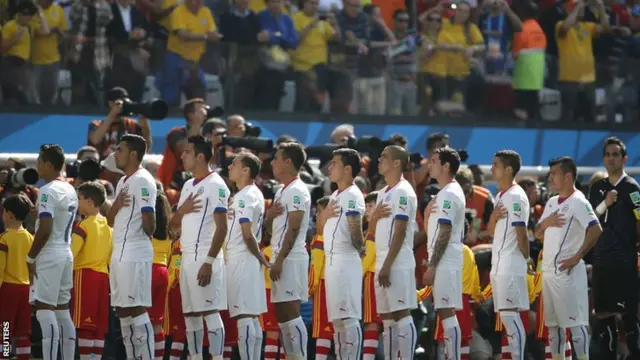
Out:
{"x": 616, "y": 200}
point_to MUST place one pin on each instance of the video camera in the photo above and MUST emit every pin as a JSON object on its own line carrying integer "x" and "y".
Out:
{"x": 258, "y": 144}
{"x": 20, "y": 178}
{"x": 155, "y": 109}
{"x": 214, "y": 112}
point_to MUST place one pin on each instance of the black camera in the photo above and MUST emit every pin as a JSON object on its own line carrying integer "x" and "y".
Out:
{"x": 214, "y": 112}
{"x": 262, "y": 145}
{"x": 155, "y": 109}
{"x": 21, "y": 178}
{"x": 252, "y": 130}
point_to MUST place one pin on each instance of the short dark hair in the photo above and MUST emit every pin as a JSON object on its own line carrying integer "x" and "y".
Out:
{"x": 323, "y": 201}
{"x": 190, "y": 106}
{"x": 252, "y": 162}
{"x": 613, "y": 140}
{"x": 286, "y": 139}
{"x": 435, "y": 139}
{"x": 294, "y": 152}
{"x": 19, "y": 205}
{"x": 350, "y": 157}
{"x": 509, "y": 158}
{"x": 399, "y": 139}
{"x": 567, "y": 165}
{"x": 371, "y": 197}
{"x": 526, "y": 183}
{"x": 117, "y": 93}
{"x": 93, "y": 191}
{"x": 201, "y": 145}
{"x": 399, "y": 153}
{"x": 53, "y": 154}
{"x": 450, "y": 156}
{"x": 135, "y": 143}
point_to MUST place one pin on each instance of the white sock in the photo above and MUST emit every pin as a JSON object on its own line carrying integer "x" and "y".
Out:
{"x": 352, "y": 344}
{"x": 126, "y": 326}
{"x": 285, "y": 338}
{"x": 50, "y": 334}
{"x": 580, "y": 339}
{"x": 246, "y": 338}
{"x": 452, "y": 338}
{"x": 338, "y": 337}
{"x": 195, "y": 334}
{"x": 515, "y": 332}
{"x": 67, "y": 334}
{"x": 557, "y": 341}
{"x": 215, "y": 331}
{"x": 143, "y": 337}
{"x": 407, "y": 337}
{"x": 298, "y": 338}
{"x": 159, "y": 346}
{"x": 390, "y": 339}
{"x": 176, "y": 346}
{"x": 257, "y": 349}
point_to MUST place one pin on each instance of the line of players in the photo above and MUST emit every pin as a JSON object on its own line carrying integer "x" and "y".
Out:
{"x": 210, "y": 282}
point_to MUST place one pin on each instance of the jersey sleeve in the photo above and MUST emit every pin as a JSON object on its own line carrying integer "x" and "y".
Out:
{"x": 634, "y": 200}
{"x": 447, "y": 206}
{"x": 220, "y": 197}
{"x": 147, "y": 192}
{"x": 402, "y": 206}
{"x": 46, "y": 203}
{"x": 353, "y": 205}
{"x": 519, "y": 210}
{"x": 546, "y": 212}
{"x": 78, "y": 238}
{"x": 584, "y": 213}
{"x": 246, "y": 207}
{"x": 297, "y": 200}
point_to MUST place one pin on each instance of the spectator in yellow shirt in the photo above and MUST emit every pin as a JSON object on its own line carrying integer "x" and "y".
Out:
{"x": 192, "y": 26}
{"x": 309, "y": 59}
{"x": 45, "y": 55}
{"x": 14, "y": 276}
{"x": 16, "y": 48}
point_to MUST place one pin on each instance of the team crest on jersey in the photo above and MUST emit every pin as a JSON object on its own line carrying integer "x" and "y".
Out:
{"x": 565, "y": 208}
{"x": 403, "y": 200}
{"x": 446, "y": 204}
{"x": 388, "y": 198}
{"x": 44, "y": 198}
{"x": 516, "y": 207}
{"x": 635, "y": 197}
{"x": 352, "y": 204}
{"x": 296, "y": 200}
{"x": 241, "y": 204}
{"x": 144, "y": 192}
{"x": 200, "y": 190}
{"x": 125, "y": 188}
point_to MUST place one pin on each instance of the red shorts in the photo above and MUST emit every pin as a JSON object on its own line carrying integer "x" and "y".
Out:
{"x": 322, "y": 328}
{"x": 174, "y": 319}
{"x": 464, "y": 319}
{"x": 90, "y": 300}
{"x": 369, "y": 310}
{"x": 159, "y": 285}
{"x": 268, "y": 320}
{"x": 15, "y": 308}
{"x": 230, "y": 328}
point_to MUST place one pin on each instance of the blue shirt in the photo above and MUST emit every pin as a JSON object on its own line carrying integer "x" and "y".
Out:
{"x": 281, "y": 29}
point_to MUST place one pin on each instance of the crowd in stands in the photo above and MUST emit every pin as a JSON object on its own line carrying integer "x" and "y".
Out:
{"x": 374, "y": 57}
{"x": 487, "y": 340}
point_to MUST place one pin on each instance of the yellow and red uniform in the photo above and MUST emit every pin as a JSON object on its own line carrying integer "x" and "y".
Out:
{"x": 14, "y": 281}
{"x": 159, "y": 280}
{"x": 369, "y": 310}
{"x": 173, "y": 317}
{"x": 322, "y": 328}
{"x": 268, "y": 320}
{"x": 91, "y": 247}
{"x": 470, "y": 290}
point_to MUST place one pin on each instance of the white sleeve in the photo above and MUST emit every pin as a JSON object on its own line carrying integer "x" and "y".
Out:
{"x": 402, "y": 205}
{"x": 447, "y": 206}
{"x": 220, "y": 197}
{"x": 519, "y": 210}
{"x": 245, "y": 207}
{"x": 296, "y": 200}
{"x": 47, "y": 203}
{"x": 146, "y": 192}
{"x": 584, "y": 213}
{"x": 353, "y": 205}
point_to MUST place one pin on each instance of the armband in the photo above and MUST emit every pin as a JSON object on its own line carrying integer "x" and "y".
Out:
{"x": 30, "y": 260}
{"x": 601, "y": 208}
{"x": 209, "y": 260}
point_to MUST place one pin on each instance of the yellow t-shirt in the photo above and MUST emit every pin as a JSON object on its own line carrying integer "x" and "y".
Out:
{"x": 427, "y": 65}
{"x": 45, "y": 48}
{"x": 174, "y": 264}
{"x": 92, "y": 244}
{"x": 165, "y": 22}
{"x": 316, "y": 270}
{"x": 198, "y": 24}
{"x": 268, "y": 254}
{"x": 259, "y": 5}
{"x": 453, "y": 63}
{"x": 311, "y": 50}
{"x": 22, "y": 48}
{"x": 161, "y": 251}
{"x": 575, "y": 53}
{"x": 14, "y": 247}
{"x": 369, "y": 259}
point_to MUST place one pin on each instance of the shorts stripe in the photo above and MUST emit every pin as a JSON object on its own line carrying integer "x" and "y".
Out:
{"x": 317, "y": 307}
{"x": 77, "y": 301}
{"x": 437, "y": 328}
{"x": 366, "y": 309}
{"x": 246, "y": 342}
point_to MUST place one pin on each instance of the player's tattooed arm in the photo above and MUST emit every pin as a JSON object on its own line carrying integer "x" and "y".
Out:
{"x": 252, "y": 243}
{"x": 397, "y": 239}
{"x": 442, "y": 241}
{"x": 220, "y": 219}
{"x": 290, "y": 236}
{"x": 355, "y": 231}
{"x": 149, "y": 222}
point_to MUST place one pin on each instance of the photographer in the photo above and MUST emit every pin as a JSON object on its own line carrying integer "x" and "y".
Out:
{"x": 105, "y": 134}
{"x": 16, "y": 178}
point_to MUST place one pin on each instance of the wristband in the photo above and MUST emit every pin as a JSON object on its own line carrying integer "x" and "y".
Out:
{"x": 600, "y": 209}
{"x": 209, "y": 260}
{"x": 30, "y": 260}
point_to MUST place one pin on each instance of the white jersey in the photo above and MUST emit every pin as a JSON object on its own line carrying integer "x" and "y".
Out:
{"x": 198, "y": 227}
{"x": 450, "y": 205}
{"x": 506, "y": 257}
{"x": 404, "y": 203}
{"x": 58, "y": 200}
{"x": 130, "y": 242}
{"x": 561, "y": 243}
{"x": 247, "y": 207}
{"x": 337, "y": 238}
{"x": 293, "y": 197}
